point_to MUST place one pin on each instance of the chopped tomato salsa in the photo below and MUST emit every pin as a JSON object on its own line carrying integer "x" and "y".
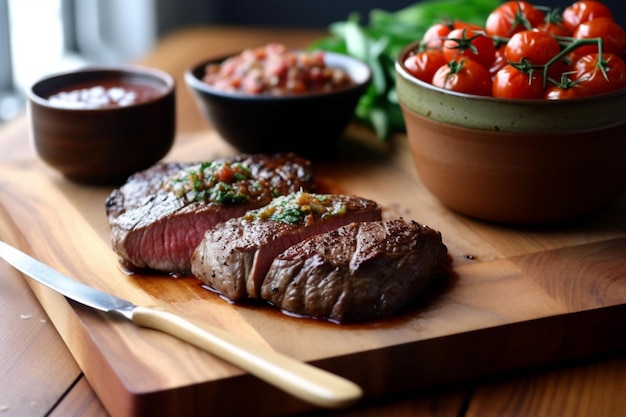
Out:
{"x": 275, "y": 70}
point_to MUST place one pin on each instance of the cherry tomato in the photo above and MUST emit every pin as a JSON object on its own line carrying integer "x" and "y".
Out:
{"x": 584, "y": 11}
{"x": 612, "y": 35}
{"x": 423, "y": 65}
{"x": 500, "y": 60}
{"x": 576, "y": 90}
{"x": 591, "y": 71}
{"x": 554, "y": 29}
{"x": 437, "y": 33}
{"x": 536, "y": 46}
{"x": 510, "y": 82}
{"x": 469, "y": 43}
{"x": 459, "y": 24}
{"x": 512, "y": 17}
{"x": 464, "y": 75}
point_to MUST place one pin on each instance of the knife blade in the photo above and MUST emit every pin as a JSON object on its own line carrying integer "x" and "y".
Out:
{"x": 304, "y": 381}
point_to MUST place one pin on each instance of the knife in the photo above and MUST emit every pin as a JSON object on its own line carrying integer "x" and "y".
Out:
{"x": 297, "y": 378}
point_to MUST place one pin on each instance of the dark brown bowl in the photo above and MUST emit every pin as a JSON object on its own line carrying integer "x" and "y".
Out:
{"x": 103, "y": 145}
{"x": 308, "y": 124}
{"x": 515, "y": 161}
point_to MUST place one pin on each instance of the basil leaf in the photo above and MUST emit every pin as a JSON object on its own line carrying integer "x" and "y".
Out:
{"x": 379, "y": 42}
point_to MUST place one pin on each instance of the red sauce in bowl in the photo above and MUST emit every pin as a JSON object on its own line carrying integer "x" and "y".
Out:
{"x": 104, "y": 94}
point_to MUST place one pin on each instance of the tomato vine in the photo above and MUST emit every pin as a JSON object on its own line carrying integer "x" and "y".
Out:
{"x": 581, "y": 48}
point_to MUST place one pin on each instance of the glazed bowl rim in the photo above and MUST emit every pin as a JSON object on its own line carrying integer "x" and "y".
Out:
{"x": 115, "y": 71}
{"x": 401, "y": 70}
{"x": 506, "y": 115}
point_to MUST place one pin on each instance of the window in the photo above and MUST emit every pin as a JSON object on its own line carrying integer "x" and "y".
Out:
{"x": 40, "y": 37}
{"x": 37, "y": 40}
{"x": 10, "y": 103}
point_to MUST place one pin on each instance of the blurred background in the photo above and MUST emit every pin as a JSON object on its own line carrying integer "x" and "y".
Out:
{"x": 38, "y": 37}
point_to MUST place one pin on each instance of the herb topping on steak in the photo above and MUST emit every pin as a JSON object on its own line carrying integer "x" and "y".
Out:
{"x": 234, "y": 257}
{"x": 160, "y": 215}
{"x": 220, "y": 182}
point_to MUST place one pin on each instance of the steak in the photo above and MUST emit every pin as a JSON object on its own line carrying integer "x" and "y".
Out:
{"x": 357, "y": 272}
{"x": 139, "y": 187}
{"x": 161, "y": 214}
{"x": 234, "y": 257}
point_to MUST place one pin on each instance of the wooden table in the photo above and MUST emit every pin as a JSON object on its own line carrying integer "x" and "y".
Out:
{"x": 39, "y": 376}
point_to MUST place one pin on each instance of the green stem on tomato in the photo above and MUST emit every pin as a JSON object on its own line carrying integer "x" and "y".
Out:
{"x": 521, "y": 19}
{"x": 464, "y": 42}
{"x": 383, "y": 37}
{"x": 571, "y": 45}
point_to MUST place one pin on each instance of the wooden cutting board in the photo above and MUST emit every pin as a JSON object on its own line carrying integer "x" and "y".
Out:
{"x": 519, "y": 297}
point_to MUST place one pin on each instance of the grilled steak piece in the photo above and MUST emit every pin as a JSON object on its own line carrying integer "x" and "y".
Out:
{"x": 357, "y": 272}
{"x": 140, "y": 186}
{"x": 160, "y": 215}
{"x": 234, "y": 257}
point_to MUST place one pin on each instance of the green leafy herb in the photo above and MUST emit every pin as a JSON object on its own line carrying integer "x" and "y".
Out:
{"x": 380, "y": 40}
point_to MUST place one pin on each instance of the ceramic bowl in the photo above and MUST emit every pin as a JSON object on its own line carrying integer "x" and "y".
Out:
{"x": 308, "y": 124}
{"x": 100, "y": 125}
{"x": 515, "y": 161}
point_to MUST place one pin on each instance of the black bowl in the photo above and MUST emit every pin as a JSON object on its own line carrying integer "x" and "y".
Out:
{"x": 308, "y": 124}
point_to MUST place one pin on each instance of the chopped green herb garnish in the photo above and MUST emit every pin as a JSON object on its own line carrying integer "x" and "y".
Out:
{"x": 298, "y": 207}
{"x": 217, "y": 182}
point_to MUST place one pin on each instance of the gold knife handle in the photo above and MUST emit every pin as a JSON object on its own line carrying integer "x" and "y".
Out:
{"x": 297, "y": 378}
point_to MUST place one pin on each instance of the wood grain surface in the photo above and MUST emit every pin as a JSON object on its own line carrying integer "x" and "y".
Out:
{"x": 551, "y": 270}
{"x": 518, "y": 297}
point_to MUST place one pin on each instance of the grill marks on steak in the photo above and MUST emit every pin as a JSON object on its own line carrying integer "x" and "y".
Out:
{"x": 234, "y": 257}
{"x": 154, "y": 228}
{"x": 357, "y": 272}
{"x": 333, "y": 259}
{"x": 139, "y": 187}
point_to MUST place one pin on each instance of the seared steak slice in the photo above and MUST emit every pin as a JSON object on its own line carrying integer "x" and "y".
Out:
{"x": 159, "y": 216}
{"x": 234, "y": 257}
{"x": 357, "y": 272}
{"x": 140, "y": 186}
